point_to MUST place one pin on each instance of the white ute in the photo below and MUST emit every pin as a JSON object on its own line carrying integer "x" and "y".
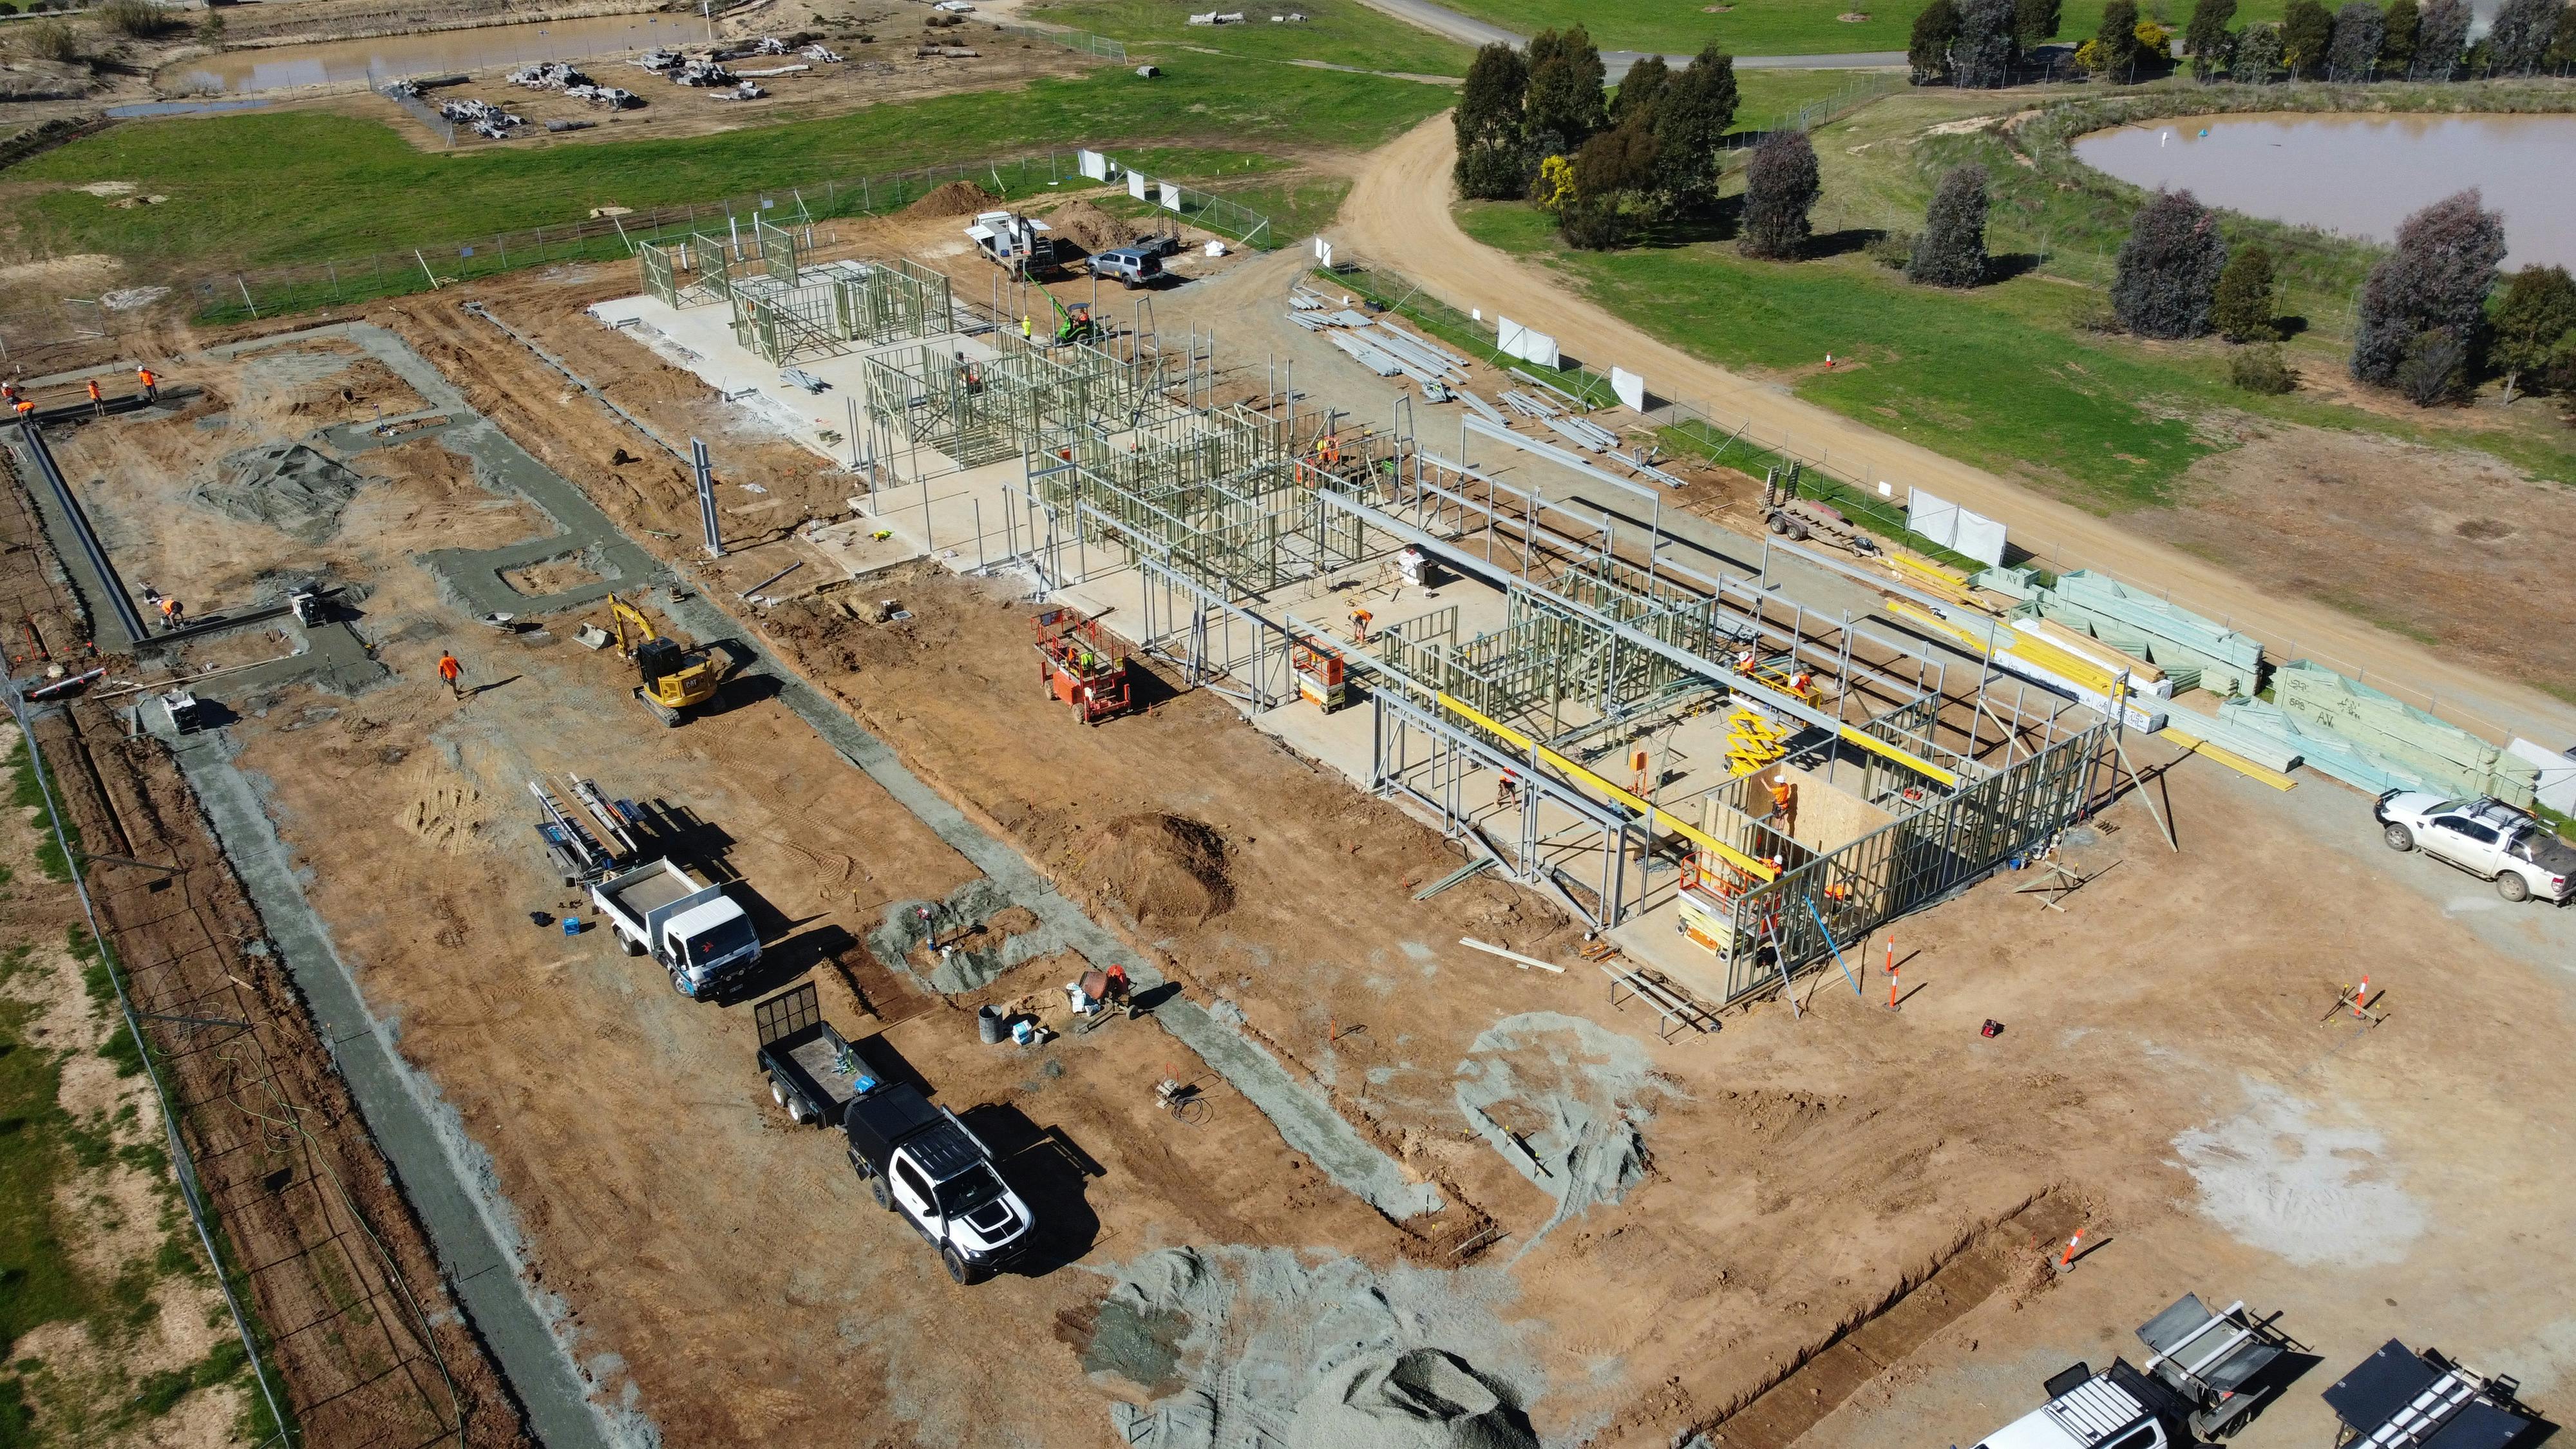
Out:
{"x": 2487, "y": 838}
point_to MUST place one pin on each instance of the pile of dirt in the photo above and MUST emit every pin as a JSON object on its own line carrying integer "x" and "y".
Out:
{"x": 1562, "y": 1100}
{"x": 1242, "y": 1348}
{"x": 957, "y": 198}
{"x": 287, "y": 485}
{"x": 1163, "y": 870}
{"x": 1090, "y": 228}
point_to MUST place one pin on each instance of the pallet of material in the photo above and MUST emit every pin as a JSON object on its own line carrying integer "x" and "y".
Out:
{"x": 2269, "y": 751}
{"x": 2399, "y": 737}
{"x": 2139, "y": 623}
{"x": 2028, "y": 658}
{"x": 2143, "y": 675}
{"x": 2325, "y": 753}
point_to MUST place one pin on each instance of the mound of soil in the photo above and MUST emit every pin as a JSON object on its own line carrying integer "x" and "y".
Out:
{"x": 1163, "y": 870}
{"x": 1090, "y": 228}
{"x": 287, "y": 485}
{"x": 957, "y": 198}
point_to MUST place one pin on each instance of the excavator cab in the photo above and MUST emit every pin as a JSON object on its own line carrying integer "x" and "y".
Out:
{"x": 670, "y": 679}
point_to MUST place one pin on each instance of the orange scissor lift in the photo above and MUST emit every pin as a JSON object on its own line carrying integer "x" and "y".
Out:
{"x": 1078, "y": 667}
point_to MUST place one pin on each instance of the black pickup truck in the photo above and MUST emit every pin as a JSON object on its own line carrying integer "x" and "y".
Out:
{"x": 918, "y": 1160}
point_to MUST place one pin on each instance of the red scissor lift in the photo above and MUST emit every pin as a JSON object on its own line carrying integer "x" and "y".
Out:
{"x": 1078, "y": 666}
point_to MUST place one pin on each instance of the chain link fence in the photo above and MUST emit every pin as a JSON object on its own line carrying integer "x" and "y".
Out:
{"x": 1081, "y": 40}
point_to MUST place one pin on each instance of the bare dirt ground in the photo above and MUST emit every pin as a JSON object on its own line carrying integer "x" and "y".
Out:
{"x": 1399, "y": 212}
{"x": 2421, "y": 541}
{"x": 1823, "y": 1206}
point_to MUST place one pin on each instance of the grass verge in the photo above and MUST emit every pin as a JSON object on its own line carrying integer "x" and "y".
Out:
{"x": 1781, "y": 27}
{"x": 268, "y": 187}
{"x": 1335, "y": 32}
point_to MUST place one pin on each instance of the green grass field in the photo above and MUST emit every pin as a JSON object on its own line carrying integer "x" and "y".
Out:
{"x": 1778, "y": 27}
{"x": 1338, "y": 32}
{"x": 305, "y": 186}
{"x": 2000, "y": 378}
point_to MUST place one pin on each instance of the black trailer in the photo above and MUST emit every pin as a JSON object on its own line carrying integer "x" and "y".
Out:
{"x": 814, "y": 1072}
{"x": 2400, "y": 1399}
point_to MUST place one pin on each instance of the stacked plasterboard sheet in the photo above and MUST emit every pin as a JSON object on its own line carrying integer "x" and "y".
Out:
{"x": 2399, "y": 737}
{"x": 2269, "y": 751}
{"x": 2326, "y": 753}
{"x": 2176, "y": 640}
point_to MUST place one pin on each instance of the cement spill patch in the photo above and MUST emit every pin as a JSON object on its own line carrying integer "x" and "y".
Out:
{"x": 1562, "y": 1099}
{"x": 1255, "y": 1348}
{"x": 2313, "y": 1194}
{"x": 287, "y": 486}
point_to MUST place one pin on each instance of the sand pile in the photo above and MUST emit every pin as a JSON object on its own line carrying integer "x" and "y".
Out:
{"x": 957, "y": 198}
{"x": 288, "y": 486}
{"x": 1090, "y": 228}
{"x": 1254, "y": 1348}
{"x": 1164, "y": 870}
{"x": 1562, "y": 1099}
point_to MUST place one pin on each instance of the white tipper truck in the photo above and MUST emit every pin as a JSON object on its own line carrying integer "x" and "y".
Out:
{"x": 697, "y": 932}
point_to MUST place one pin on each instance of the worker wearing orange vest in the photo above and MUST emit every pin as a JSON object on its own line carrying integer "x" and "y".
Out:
{"x": 25, "y": 410}
{"x": 9, "y": 393}
{"x": 448, "y": 669}
{"x": 1359, "y": 624}
{"x": 1802, "y": 683}
{"x": 151, "y": 384}
{"x": 97, "y": 399}
{"x": 171, "y": 610}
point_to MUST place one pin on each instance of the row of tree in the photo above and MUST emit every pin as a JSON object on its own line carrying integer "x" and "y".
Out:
{"x": 1540, "y": 124}
{"x": 2432, "y": 319}
{"x": 1978, "y": 43}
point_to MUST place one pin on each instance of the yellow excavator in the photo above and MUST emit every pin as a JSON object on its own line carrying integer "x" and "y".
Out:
{"x": 673, "y": 679}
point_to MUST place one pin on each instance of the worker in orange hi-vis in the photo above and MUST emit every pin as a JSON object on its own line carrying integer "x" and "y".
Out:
{"x": 151, "y": 384}
{"x": 171, "y": 611}
{"x": 1359, "y": 624}
{"x": 449, "y": 669}
{"x": 97, "y": 399}
{"x": 1784, "y": 800}
{"x": 1802, "y": 684}
{"x": 25, "y": 410}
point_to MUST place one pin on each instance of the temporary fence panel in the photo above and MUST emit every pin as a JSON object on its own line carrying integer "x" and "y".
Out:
{"x": 1521, "y": 342}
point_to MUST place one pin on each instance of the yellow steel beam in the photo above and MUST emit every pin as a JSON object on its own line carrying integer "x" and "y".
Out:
{"x": 1654, "y": 816}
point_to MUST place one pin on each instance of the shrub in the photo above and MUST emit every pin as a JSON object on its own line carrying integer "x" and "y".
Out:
{"x": 2306, "y": 30}
{"x": 1493, "y": 161}
{"x": 138, "y": 19}
{"x": 1494, "y": 173}
{"x": 1952, "y": 249}
{"x": 2436, "y": 367}
{"x": 2360, "y": 28}
{"x": 1780, "y": 188}
{"x": 1592, "y": 223}
{"x": 52, "y": 40}
{"x": 1554, "y": 186}
{"x": 1981, "y": 58}
{"x": 2258, "y": 55}
{"x": 1927, "y": 52}
{"x": 2260, "y": 369}
{"x": 2241, "y": 309}
{"x": 2209, "y": 38}
{"x": 2168, "y": 268}
{"x": 2035, "y": 22}
{"x": 2118, "y": 39}
{"x": 1893, "y": 250}
{"x": 2441, "y": 39}
{"x": 2397, "y": 27}
{"x": 2436, "y": 280}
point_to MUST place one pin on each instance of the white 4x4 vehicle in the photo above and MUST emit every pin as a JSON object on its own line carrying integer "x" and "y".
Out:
{"x": 2487, "y": 838}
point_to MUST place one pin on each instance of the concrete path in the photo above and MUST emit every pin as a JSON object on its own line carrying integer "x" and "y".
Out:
{"x": 1398, "y": 212}
{"x": 1467, "y": 29}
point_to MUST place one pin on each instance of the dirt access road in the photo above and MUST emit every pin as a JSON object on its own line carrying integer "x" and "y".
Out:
{"x": 1398, "y": 214}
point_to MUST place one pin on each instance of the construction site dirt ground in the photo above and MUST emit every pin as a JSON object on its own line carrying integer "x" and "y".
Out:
{"x": 1886, "y": 1185}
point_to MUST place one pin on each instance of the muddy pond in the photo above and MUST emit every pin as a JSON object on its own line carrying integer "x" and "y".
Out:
{"x": 245, "y": 72}
{"x": 2360, "y": 175}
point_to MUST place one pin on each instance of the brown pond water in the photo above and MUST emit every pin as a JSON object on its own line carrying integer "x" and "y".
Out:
{"x": 2361, "y": 175}
{"x": 241, "y": 72}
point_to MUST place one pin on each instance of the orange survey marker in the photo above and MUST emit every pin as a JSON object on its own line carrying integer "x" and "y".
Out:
{"x": 2066, "y": 1259}
{"x": 1891, "y": 972}
{"x": 2357, "y": 1000}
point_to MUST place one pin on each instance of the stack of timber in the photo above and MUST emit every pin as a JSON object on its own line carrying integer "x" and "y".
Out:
{"x": 2091, "y": 675}
{"x": 2192, "y": 651}
{"x": 2400, "y": 742}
